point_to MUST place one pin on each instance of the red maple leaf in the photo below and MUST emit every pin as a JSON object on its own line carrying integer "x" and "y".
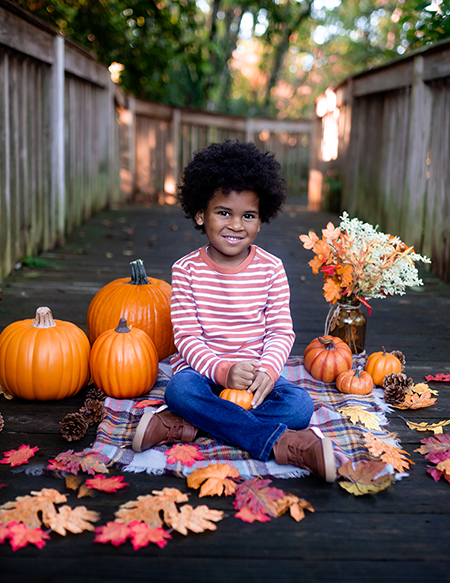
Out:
{"x": 141, "y": 535}
{"x": 113, "y": 532}
{"x": 87, "y": 461}
{"x": 20, "y": 536}
{"x": 106, "y": 484}
{"x": 247, "y": 515}
{"x": 258, "y": 497}
{"x": 17, "y": 457}
{"x": 440, "y": 377}
{"x": 437, "y": 474}
{"x": 148, "y": 403}
{"x": 184, "y": 453}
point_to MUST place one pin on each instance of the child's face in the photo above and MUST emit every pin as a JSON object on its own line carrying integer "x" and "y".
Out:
{"x": 231, "y": 223}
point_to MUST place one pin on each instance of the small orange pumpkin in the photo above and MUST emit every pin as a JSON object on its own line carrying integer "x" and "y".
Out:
{"x": 124, "y": 362}
{"x": 143, "y": 301}
{"x": 326, "y": 357}
{"x": 379, "y": 364}
{"x": 43, "y": 359}
{"x": 356, "y": 382}
{"x": 238, "y": 396}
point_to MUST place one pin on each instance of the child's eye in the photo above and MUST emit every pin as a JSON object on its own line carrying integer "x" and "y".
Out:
{"x": 249, "y": 216}
{"x": 224, "y": 213}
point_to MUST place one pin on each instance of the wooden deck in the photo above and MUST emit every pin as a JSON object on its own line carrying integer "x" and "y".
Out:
{"x": 399, "y": 535}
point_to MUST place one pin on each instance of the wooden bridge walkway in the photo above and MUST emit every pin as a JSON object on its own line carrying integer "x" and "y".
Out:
{"x": 399, "y": 535}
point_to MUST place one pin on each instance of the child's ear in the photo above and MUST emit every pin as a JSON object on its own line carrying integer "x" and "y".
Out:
{"x": 199, "y": 218}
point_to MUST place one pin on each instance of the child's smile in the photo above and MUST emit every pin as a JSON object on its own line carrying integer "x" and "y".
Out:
{"x": 231, "y": 223}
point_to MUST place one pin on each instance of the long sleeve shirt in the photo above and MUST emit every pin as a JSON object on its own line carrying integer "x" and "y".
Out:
{"x": 222, "y": 315}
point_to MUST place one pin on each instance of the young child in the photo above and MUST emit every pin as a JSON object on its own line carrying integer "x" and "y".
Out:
{"x": 232, "y": 322}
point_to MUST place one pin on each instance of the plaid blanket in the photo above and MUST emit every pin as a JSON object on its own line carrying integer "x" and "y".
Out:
{"x": 115, "y": 433}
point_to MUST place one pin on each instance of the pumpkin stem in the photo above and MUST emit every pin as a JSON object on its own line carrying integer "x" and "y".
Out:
{"x": 122, "y": 328}
{"x": 328, "y": 343}
{"x": 138, "y": 273}
{"x": 356, "y": 375}
{"x": 44, "y": 318}
{"x": 384, "y": 350}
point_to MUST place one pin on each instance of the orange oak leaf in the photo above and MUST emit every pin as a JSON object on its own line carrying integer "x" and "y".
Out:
{"x": 216, "y": 479}
{"x": 141, "y": 535}
{"x": 246, "y": 515}
{"x": 444, "y": 466}
{"x": 17, "y": 457}
{"x": 32, "y": 510}
{"x": 148, "y": 403}
{"x": 416, "y": 401}
{"x": 20, "y": 536}
{"x": 185, "y": 453}
{"x": 433, "y": 445}
{"x": 309, "y": 240}
{"x": 73, "y": 482}
{"x": 295, "y": 505}
{"x": 258, "y": 496}
{"x": 196, "y": 519}
{"x": 113, "y": 532}
{"x": 74, "y": 520}
{"x": 106, "y": 484}
{"x": 148, "y": 508}
{"x": 364, "y": 478}
{"x": 389, "y": 454}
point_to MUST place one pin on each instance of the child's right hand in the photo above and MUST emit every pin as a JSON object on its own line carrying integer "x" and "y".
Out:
{"x": 242, "y": 374}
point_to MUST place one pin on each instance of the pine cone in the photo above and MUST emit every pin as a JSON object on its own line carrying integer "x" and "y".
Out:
{"x": 2, "y": 422}
{"x": 92, "y": 411}
{"x": 401, "y": 358}
{"x": 96, "y": 394}
{"x": 74, "y": 426}
{"x": 395, "y": 386}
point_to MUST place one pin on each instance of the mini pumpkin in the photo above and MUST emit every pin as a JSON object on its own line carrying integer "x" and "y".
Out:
{"x": 327, "y": 356}
{"x": 143, "y": 301}
{"x": 124, "y": 362}
{"x": 356, "y": 382}
{"x": 379, "y": 364}
{"x": 43, "y": 359}
{"x": 238, "y": 396}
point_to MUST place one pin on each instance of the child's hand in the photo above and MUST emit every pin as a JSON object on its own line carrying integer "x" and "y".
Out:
{"x": 261, "y": 387}
{"x": 242, "y": 374}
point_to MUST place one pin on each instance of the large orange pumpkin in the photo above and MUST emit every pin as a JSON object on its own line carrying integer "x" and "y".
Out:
{"x": 238, "y": 396}
{"x": 326, "y": 357}
{"x": 144, "y": 302}
{"x": 43, "y": 359}
{"x": 356, "y": 382}
{"x": 379, "y": 364}
{"x": 124, "y": 362}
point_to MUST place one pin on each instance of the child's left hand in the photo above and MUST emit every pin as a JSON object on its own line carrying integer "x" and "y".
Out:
{"x": 261, "y": 386}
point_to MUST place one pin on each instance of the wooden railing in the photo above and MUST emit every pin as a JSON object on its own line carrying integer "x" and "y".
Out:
{"x": 71, "y": 141}
{"x": 393, "y": 155}
{"x": 158, "y": 141}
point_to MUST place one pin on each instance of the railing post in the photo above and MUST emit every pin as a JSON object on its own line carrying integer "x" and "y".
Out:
{"x": 58, "y": 194}
{"x": 5, "y": 173}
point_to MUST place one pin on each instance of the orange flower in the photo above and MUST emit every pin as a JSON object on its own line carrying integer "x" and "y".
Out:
{"x": 315, "y": 264}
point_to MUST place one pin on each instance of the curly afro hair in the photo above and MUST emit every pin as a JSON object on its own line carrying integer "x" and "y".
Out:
{"x": 232, "y": 166}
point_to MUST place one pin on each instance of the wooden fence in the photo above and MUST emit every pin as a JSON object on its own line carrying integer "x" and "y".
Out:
{"x": 158, "y": 141}
{"x": 71, "y": 141}
{"x": 392, "y": 126}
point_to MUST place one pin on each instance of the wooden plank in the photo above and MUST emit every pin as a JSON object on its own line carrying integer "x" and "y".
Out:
{"x": 5, "y": 192}
{"x": 437, "y": 64}
{"x": 24, "y": 37}
{"x": 153, "y": 110}
{"x": 81, "y": 63}
{"x": 388, "y": 78}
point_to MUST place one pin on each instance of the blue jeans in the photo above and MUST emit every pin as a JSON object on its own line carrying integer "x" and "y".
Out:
{"x": 196, "y": 399}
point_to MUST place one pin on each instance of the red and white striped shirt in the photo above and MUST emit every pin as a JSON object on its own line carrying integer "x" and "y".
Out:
{"x": 222, "y": 315}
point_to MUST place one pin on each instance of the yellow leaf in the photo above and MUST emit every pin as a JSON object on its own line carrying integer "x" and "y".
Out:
{"x": 362, "y": 479}
{"x": 434, "y": 427}
{"x": 361, "y": 416}
{"x": 420, "y": 388}
{"x": 216, "y": 479}
{"x": 444, "y": 466}
{"x": 74, "y": 520}
{"x": 31, "y": 510}
{"x": 147, "y": 508}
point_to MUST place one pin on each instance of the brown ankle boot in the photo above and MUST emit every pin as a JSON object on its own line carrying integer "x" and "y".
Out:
{"x": 161, "y": 429}
{"x": 307, "y": 449}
